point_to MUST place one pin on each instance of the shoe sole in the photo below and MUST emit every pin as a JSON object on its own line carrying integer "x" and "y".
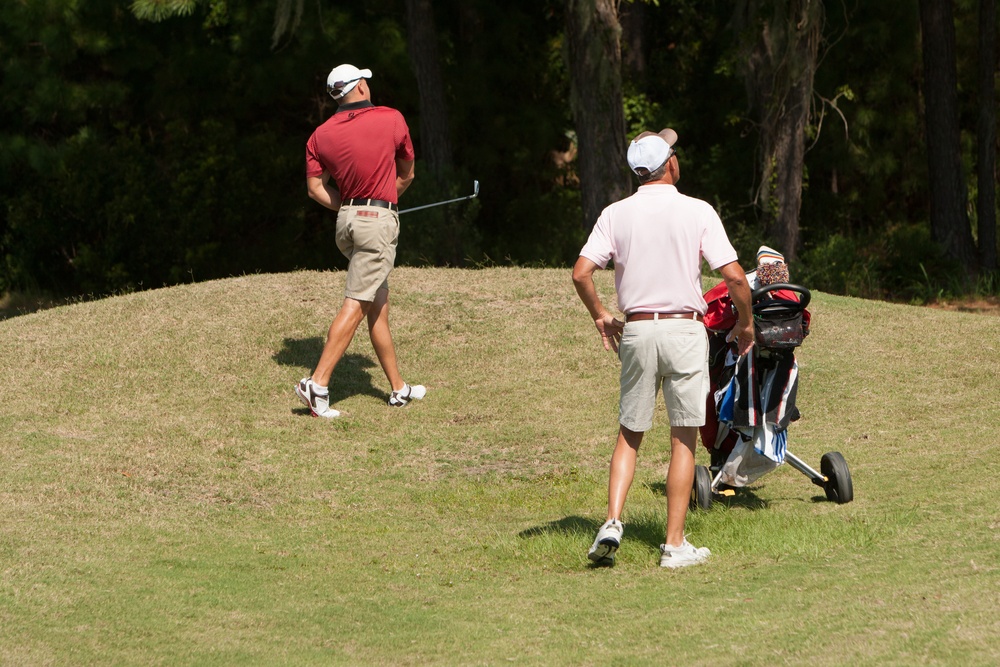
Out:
{"x": 673, "y": 565}
{"x": 605, "y": 551}
{"x": 677, "y": 566}
{"x": 401, "y": 403}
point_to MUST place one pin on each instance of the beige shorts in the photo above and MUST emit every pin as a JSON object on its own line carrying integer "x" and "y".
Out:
{"x": 671, "y": 354}
{"x": 367, "y": 235}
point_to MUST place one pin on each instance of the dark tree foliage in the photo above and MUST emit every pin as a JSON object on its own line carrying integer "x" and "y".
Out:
{"x": 138, "y": 153}
{"x": 986, "y": 131}
{"x": 147, "y": 154}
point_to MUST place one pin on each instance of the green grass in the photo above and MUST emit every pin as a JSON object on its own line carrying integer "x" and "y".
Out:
{"x": 164, "y": 499}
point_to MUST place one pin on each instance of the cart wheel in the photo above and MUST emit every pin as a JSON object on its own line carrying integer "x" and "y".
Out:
{"x": 838, "y": 486}
{"x": 701, "y": 491}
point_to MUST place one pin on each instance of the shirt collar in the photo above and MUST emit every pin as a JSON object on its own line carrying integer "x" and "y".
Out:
{"x": 653, "y": 187}
{"x": 354, "y": 106}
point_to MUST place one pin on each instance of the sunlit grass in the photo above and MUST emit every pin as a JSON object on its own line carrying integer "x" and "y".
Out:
{"x": 166, "y": 500}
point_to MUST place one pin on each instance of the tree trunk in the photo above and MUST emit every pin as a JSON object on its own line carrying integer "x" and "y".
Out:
{"x": 986, "y": 136}
{"x": 789, "y": 150}
{"x": 633, "y": 20}
{"x": 435, "y": 130}
{"x": 780, "y": 46}
{"x": 594, "y": 55}
{"x": 949, "y": 220}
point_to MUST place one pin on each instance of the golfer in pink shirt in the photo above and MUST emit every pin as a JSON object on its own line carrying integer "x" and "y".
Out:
{"x": 657, "y": 239}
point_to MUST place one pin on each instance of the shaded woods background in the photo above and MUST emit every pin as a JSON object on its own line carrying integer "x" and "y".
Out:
{"x": 136, "y": 154}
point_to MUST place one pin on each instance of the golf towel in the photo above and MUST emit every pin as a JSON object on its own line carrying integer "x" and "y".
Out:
{"x": 757, "y": 397}
{"x": 745, "y": 464}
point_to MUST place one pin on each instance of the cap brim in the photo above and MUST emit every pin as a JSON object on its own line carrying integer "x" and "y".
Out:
{"x": 669, "y": 136}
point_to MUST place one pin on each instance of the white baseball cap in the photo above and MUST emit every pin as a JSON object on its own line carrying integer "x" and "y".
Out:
{"x": 648, "y": 153}
{"x": 343, "y": 79}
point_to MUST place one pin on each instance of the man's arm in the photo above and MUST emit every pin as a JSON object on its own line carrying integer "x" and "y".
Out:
{"x": 320, "y": 190}
{"x": 609, "y": 328}
{"x": 739, "y": 292}
{"x": 404, "y": 175}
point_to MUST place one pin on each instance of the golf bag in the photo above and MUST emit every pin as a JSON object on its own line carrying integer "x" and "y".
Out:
{"x": 752, "y": 397}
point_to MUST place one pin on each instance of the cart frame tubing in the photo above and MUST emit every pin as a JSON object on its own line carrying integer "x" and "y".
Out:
{"x": 817, "y": 478}
{"x": 800, "y": 465}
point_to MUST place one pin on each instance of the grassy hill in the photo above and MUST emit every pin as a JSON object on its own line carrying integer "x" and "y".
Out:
{"x": 165, "y": 499}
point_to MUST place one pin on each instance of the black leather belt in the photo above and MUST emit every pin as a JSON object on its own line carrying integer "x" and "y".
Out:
{"x": 686, "y": 315}
{"x": 381, "y": 203}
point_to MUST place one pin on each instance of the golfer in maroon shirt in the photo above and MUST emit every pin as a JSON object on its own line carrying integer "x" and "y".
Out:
{"x": 358, "y": 163}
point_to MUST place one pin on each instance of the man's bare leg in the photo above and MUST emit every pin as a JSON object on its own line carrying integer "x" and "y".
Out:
{"x": 385, "y": 350}
{"x": 680, "y": 478}
{"x": 622, "y": 470}
{"x": 609, "y": 536}
{"x": 339, "y": 338}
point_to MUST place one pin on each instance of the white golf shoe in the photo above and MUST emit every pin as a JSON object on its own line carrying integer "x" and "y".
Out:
{"x": 406, "y": 394}
{"x": 317, "y": 401}
{"x": 608, "y": 539}
{"x": 682, "y": 556}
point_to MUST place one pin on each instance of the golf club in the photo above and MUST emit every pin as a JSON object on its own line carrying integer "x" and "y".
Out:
{"x": 475, "y": 193}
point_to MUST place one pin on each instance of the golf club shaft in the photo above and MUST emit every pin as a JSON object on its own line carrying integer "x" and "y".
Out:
{"x": 474, "y": 194}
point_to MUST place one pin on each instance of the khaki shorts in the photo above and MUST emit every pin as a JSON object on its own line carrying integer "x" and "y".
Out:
{"x": 367, "y": 235}
{"x": 671, "y": 354}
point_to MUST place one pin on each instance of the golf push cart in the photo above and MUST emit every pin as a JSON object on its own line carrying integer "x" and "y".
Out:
{"x": 752, "y": 398}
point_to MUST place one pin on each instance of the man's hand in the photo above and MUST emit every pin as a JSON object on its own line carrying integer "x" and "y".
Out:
{"x": 610, "y": 330}
{"x": 404, "y": 176}
{"x": 743, "y": 335}
{"x": 322, "y": 191}
{"x": 739, "y": 292}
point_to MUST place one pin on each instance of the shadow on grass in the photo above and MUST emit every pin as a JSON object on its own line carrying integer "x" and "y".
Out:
{"x": 743, "y": 497}
{"x": 350, "y": 378}
{"x": 570, "y": 525}
{"x": 300, "y": 352}
{"x": 17, "y": 304}
{"x": 644, "y": 529}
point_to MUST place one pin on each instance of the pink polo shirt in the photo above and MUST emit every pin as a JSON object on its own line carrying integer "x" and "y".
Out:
{"x": 657, "y": 239}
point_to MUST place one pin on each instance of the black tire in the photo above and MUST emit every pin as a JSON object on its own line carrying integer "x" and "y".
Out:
{"x": 839, "y": 487}
{"x": 701, "y": 490}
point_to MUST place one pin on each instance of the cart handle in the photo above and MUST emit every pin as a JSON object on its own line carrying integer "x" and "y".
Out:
{"x": 805, "y": 295}
{"x": 780, "y": 304}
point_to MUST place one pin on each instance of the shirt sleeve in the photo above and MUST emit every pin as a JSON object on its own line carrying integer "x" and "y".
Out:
{"x": 313, "y": 165}
{"x": 599, "y": 247}
{"x": 404, "y": 144}
{"x": 715, "y": 245}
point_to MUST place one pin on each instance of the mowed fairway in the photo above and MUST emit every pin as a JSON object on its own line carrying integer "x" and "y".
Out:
{"x": 166, "y": 500}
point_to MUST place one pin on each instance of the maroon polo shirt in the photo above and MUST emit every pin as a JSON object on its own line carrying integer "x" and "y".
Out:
{"x": 358, "y": 146}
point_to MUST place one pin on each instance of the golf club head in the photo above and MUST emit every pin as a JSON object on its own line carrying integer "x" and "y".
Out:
{"x": 475, "y": 189}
